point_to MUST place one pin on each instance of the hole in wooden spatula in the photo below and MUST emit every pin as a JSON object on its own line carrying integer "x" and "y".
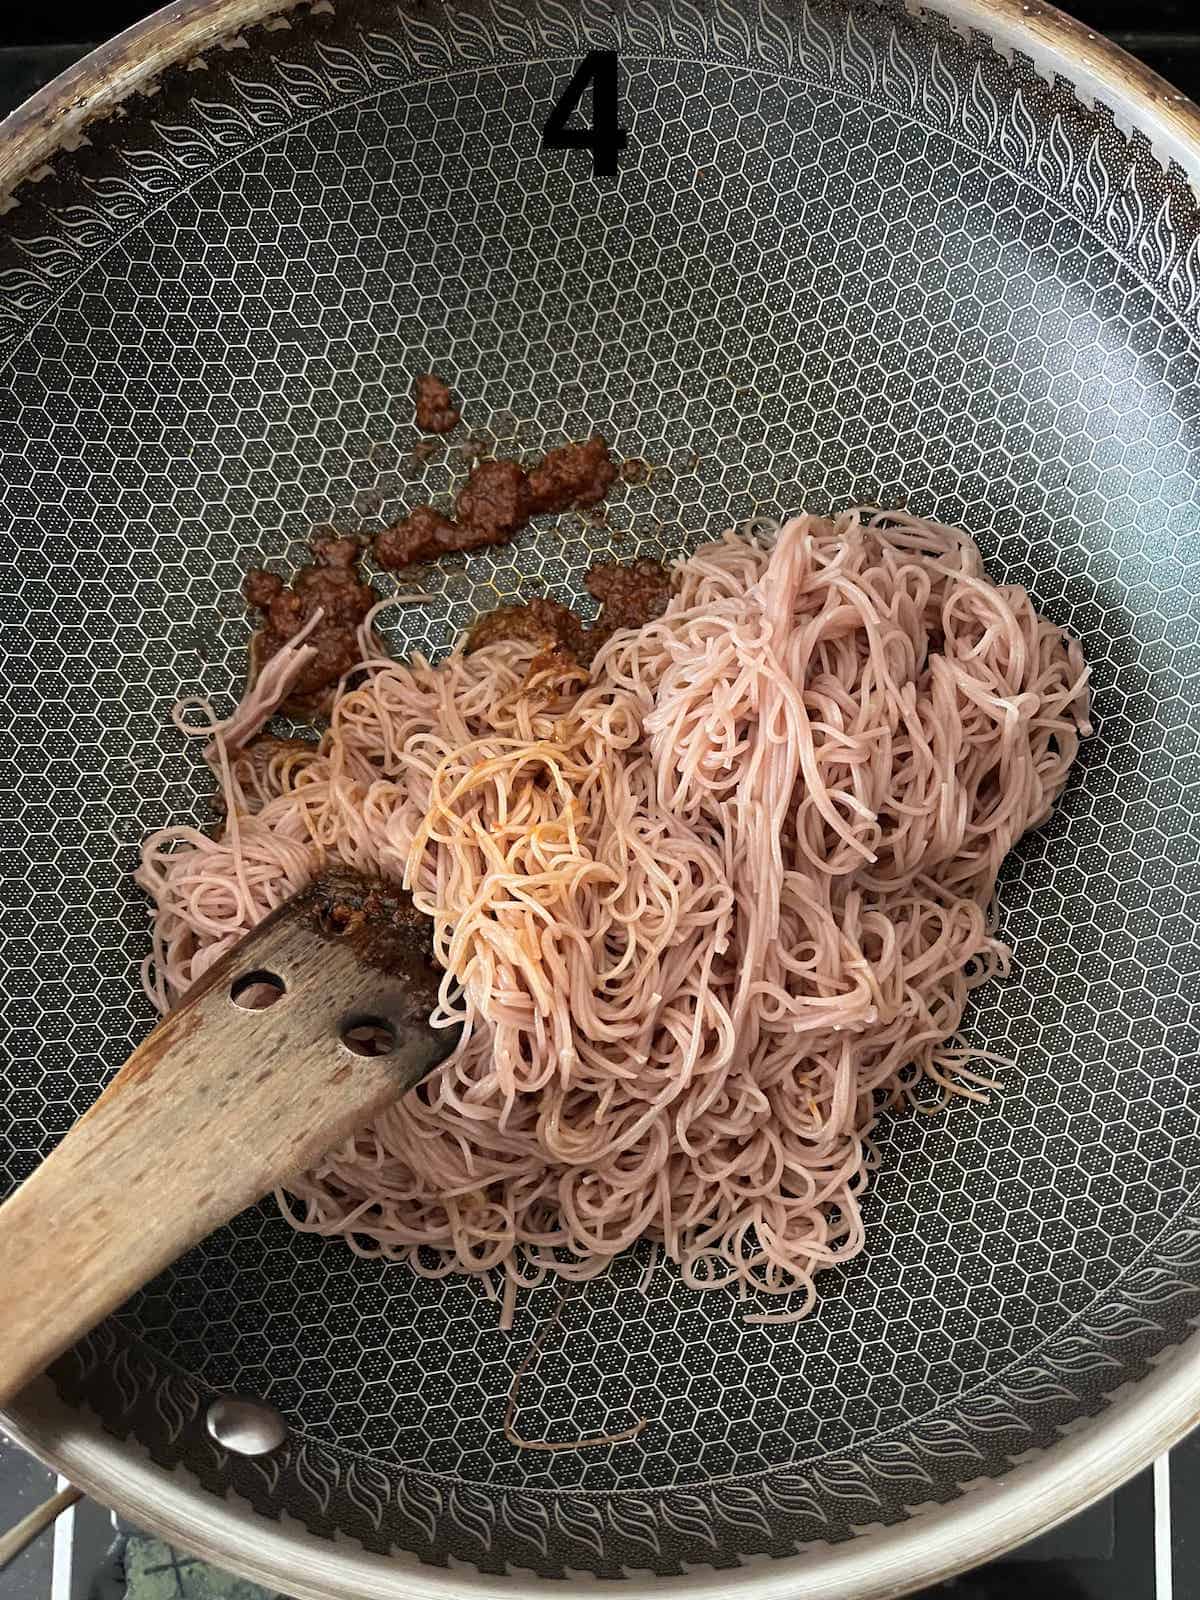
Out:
{"x": 369, "y": 1036}
{"x": 255, "y": 991}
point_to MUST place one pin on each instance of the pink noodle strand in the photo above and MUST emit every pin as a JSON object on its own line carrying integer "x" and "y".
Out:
{"x": 702, "y": 918}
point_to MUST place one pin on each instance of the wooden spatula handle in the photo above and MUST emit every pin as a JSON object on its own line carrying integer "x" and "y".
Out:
{"x": 217, "y": 1106}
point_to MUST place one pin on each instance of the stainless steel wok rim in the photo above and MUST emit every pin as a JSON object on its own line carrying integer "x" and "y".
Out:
{"x": 1096, "y": 69}
{"x": 1141, "y": 1421}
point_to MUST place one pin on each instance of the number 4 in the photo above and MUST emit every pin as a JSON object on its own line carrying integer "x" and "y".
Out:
{"x": 605, "y": 138}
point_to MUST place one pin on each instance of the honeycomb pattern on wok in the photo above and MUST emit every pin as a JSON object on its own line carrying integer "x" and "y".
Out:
{"x": 788, "y": 298}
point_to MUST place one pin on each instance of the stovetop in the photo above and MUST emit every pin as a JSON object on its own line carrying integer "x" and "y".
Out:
{"x": 1142, "y": 1543}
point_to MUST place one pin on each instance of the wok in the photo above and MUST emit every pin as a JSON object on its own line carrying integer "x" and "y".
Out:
{"x": 849, "y": 253}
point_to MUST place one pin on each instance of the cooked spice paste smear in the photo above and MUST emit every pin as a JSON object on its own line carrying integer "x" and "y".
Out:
{"x": 332, "y": 586}
{"x": 436, "y": 411}
{"x": 630, "y": 597}
{"x": 497, "y": 501}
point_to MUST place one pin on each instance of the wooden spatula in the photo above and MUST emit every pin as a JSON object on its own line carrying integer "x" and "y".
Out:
{"x": 229, "y": 1096}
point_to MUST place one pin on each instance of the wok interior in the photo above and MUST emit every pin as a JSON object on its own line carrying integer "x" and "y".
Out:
{"x": 792, "y": 296}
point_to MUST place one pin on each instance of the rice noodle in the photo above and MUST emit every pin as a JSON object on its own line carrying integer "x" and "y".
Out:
{"x": 701, "y": 919}
{"x": 554, "y": 1446}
